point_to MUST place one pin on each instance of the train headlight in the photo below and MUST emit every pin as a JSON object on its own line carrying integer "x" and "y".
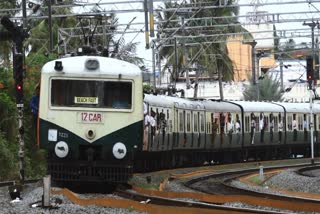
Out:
{"x": 61, "y": 149}
{"x": 119, "y": 150}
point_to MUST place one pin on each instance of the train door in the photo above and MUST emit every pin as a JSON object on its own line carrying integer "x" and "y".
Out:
{"x": 188, "y": 128}
{"x": 202, "y": 135}
{"x": 168, "y": 136}
{"x": 275, "y": 134}
{"x": 246, "y": 129}
{"x": 195, "y": 134}
{"x": 176, "y": 124}
{"x": 181, "y": 129}
{"x": 162, "y": 129}
{"x": 209, "y": 134}
{"x": 289, "y": 129}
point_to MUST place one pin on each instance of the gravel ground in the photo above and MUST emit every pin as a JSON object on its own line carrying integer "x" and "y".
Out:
{"x": 286, "y": 180}
{"x": 34, "y": 193}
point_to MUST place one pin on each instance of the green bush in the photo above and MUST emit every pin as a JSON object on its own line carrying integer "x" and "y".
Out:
{"x": 8, "y": 163}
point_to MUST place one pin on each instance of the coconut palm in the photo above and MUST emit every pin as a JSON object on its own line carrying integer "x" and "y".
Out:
{"x": 267, "y": 89}
{"x": 212, "y": 56}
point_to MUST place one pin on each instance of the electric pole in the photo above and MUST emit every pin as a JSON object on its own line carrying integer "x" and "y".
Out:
{"x": 312, "y": 25}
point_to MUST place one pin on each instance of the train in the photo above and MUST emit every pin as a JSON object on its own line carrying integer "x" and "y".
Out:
{"x": 98, "y": 125}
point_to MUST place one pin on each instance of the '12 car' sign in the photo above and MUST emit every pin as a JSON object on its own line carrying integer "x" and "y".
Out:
{"x": 90, "y": 117}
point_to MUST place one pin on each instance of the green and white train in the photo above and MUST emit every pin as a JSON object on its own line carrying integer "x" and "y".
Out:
{"x": 92, "y": 122}
{"x": 90, "y": 118}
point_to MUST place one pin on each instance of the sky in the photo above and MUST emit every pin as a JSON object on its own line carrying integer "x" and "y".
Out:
{"x": 139, "y": 18}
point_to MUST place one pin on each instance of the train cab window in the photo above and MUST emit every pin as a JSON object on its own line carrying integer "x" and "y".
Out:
{"x": 188, "y": 122}
{"x": 91, "y": 94}
{"x": 246, "y": 123}
{"x": 195, "y": 122}
{"x": 181, "y": 122}
{"x": 289, "y": 119}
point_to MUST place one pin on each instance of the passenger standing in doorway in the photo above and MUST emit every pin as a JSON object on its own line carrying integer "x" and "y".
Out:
{"x": 230, "y": 129}
{"x": 280, "y": 128}
{"x": 294, "y": 127}
{"x": 215, "y": 127}
{"x": 253, "y": 128}
{"x": 222, "y": 124}
{"x": 261, "y": 125}
{"x": 271, "y": 127}
{"x": 34, "y": 105}
{"x": 305, "y": 125}
{"x": 238, "y": 128}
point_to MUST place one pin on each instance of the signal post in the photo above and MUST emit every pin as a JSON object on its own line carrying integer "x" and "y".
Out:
{"x": 17, "y": 35}
{"x": 310, "y": 79}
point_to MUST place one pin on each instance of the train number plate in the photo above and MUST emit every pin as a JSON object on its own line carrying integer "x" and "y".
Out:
{"x": 90, "y": 117}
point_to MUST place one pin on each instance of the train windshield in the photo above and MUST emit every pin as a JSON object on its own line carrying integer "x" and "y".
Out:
{"x": 91, "y": 94}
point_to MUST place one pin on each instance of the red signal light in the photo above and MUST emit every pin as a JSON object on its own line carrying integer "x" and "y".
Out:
{"x": 19, "y": 87}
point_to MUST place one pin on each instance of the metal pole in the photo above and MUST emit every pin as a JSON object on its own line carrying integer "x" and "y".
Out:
{"x": 159, "y": 66}
{"x": 281, "y": 73}
{"x": 185, "y": 58}
{"x": 176, "y": 61}
{"x": 153, "y": 65}
{"x": 311, "y": 93}
{"x": 312, "y": 25}
{"x": 50, "y": 26}
{"x": 151, "y": 17}
{"x": 146, "y": 33}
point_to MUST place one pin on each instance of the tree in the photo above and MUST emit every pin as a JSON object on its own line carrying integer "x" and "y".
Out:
{"x": 212, "y": 56}
{"x": 267, "y": 89}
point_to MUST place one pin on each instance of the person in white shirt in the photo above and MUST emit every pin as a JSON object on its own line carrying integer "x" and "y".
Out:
{"x": 253, "y": 127}
{"x": 271, "y": 127}
{"x": 280, "y": 128}
{"x": 305, "y": 126}
{"x": 294, "y": 127}
{"x": 230, "y": 129}
{"x": 238, "y": 128}
{"x": 261, "y": 126}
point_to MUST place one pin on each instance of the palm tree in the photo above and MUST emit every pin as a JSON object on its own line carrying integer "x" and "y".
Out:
{"x": 221, "y": 62}
{"x": 267, "y": 89}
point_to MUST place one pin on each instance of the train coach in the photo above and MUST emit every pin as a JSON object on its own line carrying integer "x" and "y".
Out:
{"x": 90, "y": 118}
{"x": 192, "y": 132}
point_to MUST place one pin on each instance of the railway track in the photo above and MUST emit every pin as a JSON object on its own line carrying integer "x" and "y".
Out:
{"x": 219, "y": 184}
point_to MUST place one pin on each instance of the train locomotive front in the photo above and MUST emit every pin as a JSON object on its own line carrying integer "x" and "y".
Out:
{"x": 90, "y": 118}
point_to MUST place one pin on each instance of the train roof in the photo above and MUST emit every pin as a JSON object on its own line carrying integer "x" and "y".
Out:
{"x": 300, "y": 107}
{"x": 170, "y": 102}
{"x": 220, "y": 106}
{"x": 251, "y": 106}
{"x": 110, "y": 66}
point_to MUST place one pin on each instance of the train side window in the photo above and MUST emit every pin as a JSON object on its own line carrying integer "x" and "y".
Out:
{"x": 202, "y": 123}
{"x": 246, "y": 123}
{"x": 180, "y": 121}
{"x": 289, "y": 122}
{"x": 195, "y": 122}
{"x": 300, "y": 122}
{"x": 168, "y": 114}
{"x": 188, "y": 122}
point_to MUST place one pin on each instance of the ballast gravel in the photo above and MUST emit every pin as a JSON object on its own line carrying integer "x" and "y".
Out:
{"x": 288, "y": 179}
{"x": 64, "y": 206}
